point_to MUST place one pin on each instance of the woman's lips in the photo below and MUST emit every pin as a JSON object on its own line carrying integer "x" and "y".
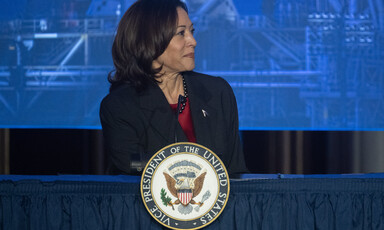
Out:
{"x": 190, "y": 55}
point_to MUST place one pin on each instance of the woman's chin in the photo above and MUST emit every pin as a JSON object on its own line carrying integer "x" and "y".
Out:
{"x": 190, "y": 68}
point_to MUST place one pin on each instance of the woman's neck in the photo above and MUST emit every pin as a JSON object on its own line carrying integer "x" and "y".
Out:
{"x": 172, "y": 87}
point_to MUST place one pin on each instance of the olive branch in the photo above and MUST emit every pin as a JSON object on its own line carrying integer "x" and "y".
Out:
{"x": 165, "y": 199}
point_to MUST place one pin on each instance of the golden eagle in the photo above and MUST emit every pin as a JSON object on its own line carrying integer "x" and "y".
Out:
{"x": 185, "y": 189}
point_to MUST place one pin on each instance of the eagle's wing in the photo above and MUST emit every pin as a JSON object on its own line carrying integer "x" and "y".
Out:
{"x": 171, "y": 184}
{"x": 199, "y": 181}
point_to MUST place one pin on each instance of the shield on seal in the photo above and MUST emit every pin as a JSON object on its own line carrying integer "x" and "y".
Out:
{"x": 184, "y": 195}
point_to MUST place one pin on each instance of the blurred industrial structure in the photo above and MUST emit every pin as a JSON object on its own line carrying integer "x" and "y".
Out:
{"x": 293, "y": 64}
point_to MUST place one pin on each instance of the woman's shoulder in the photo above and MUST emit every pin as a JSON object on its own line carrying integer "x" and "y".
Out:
{"x": 203, "y": 76}
{"x": 122, "y": 94}
{"x": 207, "y": 80}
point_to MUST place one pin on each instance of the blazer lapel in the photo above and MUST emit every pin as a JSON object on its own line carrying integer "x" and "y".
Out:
{"x": 203, "y": 114}
{"x": 159, "y": 114}
{"x": 156, "y": 109}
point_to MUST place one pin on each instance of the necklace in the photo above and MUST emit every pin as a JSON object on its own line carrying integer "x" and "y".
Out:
{"x": 184, "y": 98}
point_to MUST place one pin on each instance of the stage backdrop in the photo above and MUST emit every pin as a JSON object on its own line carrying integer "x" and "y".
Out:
{"x": 293, "y": 64}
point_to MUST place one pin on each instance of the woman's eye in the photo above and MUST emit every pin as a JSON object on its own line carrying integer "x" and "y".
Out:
{"x": 181, "y": 33}
{"x": 192, "y": 31}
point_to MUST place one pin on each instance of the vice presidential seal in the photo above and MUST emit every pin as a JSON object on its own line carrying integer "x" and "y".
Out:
{"x": 185, "y": 186}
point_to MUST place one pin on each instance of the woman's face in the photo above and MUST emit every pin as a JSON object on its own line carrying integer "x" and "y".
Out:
{"x": 179, "y": 56}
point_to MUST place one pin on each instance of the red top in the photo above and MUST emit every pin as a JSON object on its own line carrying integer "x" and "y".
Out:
{"x": 185, "y": 120}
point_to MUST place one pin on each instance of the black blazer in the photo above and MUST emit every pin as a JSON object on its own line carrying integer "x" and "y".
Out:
{"x": 137, "y": 125}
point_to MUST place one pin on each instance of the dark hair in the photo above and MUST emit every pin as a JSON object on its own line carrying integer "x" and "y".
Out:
{"x": 143, "y": 34}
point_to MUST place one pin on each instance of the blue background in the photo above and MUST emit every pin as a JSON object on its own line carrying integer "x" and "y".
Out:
{"x": 293, "y": 64}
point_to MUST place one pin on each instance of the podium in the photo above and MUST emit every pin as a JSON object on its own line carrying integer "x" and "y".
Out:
{"x": 265, "y": 202}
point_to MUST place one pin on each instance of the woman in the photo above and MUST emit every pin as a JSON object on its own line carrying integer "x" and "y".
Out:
{"x": 153, "y": 54}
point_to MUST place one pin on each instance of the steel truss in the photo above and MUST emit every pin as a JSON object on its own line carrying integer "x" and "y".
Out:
{"x": 347, "y": 50}
{"x": 264, "y": 62}
{"x": 27, "y": 85}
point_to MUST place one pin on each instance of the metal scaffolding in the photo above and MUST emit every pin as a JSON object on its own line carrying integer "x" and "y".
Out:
{"x": 327, "y": 55}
